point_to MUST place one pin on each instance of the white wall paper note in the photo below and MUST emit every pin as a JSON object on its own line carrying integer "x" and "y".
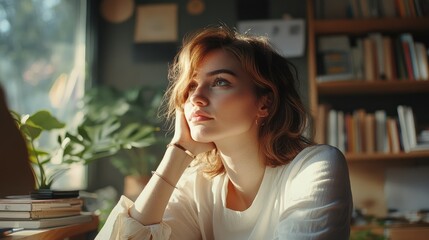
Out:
{"x": 287, "y": 36}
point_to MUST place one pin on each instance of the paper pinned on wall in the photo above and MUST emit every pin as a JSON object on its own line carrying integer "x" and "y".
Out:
{"x": 156, "y": 23}
{"x": 287, "y": 36}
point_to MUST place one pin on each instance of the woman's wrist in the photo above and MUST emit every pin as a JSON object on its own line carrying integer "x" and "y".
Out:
{"x": 182, "y": 148}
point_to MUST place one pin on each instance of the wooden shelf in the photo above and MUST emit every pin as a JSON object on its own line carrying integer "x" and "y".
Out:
{"x": 360, "y": 26}
{"x": 358, "y": 157}
{"x": 367, "y": 170}
{"x": 376, "y": 87}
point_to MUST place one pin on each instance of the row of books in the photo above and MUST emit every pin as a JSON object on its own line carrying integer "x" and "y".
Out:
{"x": 357, "y": 9}
{"x": 27, "y": 213}
{"x": 369, "y": 132}
{"x": 373, "y": 57}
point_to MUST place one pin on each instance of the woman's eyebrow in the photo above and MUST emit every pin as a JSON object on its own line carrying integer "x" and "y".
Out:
{"x": 218, "y": 71}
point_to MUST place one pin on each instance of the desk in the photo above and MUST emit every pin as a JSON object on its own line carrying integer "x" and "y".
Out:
{"x": 414, "y": 231}
{"x": 72, "y": 232}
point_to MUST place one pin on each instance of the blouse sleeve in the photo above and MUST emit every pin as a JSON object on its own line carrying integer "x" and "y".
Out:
{"x": 319, "y": 201}
{"x": 179, "y": 221}
{"x": 119, "y": 225}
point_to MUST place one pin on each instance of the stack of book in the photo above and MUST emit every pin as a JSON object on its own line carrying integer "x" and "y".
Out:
{"x": 27, "y": 213}
{"x": 374, "y": 57}
{"x": 360, "y": 131}
{"x": 411, "y": 140}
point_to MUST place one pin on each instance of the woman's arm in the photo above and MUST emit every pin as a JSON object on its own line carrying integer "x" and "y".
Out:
{"x": 146, "y": 219}
{"x": 150, "y": 206}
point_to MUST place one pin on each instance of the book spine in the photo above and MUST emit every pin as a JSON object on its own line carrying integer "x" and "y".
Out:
{"x": 401, "y": 69}
{"x": 403, "y": 128}
{"x": 388, "y": 59}
{"x": 422, "y": 60}
{"x": 369, "y": 59}
{"x": 14, "y": 207}
{"x": 408, "y": 38}
{"x": 370, "y": 133}
{"x": 407, "y": 58}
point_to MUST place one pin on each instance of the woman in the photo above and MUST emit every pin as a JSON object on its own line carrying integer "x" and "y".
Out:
{"x": 238, "y": 166}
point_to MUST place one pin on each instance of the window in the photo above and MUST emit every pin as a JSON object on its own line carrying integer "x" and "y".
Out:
{"x": 42, "y": 64}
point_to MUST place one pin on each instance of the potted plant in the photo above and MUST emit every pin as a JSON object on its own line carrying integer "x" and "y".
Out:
{"x": 119, "y": 125}
{"x": 134, "y": 114}
{"x": 32, "y": 127}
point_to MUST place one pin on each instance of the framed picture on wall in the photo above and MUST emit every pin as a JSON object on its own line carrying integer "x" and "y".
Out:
{"x": 156, "y": 23}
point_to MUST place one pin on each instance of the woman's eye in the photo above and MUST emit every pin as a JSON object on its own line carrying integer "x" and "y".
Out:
{"x": 220, "y": 82}
{"x": 192, "y": 86}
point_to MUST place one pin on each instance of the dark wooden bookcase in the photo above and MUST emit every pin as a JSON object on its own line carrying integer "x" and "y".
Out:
{"x": 367, "y": 170}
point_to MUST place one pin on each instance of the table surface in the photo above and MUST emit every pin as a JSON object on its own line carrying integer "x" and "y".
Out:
{"x": 56, "y": 232}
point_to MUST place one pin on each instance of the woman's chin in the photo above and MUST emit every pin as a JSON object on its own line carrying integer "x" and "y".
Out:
{"x": 201, "y": 138}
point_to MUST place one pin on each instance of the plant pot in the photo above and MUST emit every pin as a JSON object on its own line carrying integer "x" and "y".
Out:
{"x": 133, "y": 185}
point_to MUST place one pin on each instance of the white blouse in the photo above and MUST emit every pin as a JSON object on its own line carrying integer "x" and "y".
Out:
{"x": 309, "y": 198}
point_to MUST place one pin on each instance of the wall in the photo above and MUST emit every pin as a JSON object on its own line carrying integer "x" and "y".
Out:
{"x": 124, "y": 64}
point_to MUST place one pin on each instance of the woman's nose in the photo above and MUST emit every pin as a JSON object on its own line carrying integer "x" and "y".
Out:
{"x": 198, "y": 97}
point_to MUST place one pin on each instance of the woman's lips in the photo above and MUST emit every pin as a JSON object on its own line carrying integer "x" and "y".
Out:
{"x": 200, "y": 116}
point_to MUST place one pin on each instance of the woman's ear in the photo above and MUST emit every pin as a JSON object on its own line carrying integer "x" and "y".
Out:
{"x": 264, "y": 105}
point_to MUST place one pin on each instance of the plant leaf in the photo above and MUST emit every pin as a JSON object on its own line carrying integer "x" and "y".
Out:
{"x": 46, "y": 120}
{"x": 33, "y": 132}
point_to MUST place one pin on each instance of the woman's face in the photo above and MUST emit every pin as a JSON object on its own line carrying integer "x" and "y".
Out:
{"x": 221, "y": 103}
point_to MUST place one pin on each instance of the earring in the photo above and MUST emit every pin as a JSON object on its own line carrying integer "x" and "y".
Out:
{"x": 261, "y": 123}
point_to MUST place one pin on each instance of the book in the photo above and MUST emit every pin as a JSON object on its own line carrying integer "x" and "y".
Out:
{"x": 366, "y": 12}
{"x": 359, "y": 125}
{"x": 411, "y": 56}
{"x": 355, "y": 9}
{"x": 403, "y": 128}
{"x": 377, "y": 39}
{"x": 341, "y": 138}
{"x": 37, "y": 214}
{"x": 408, "y": 60}
{"x": 381, "y": 138}
{"x": 422, "y": 60}
{"x": 389, "y": 59}
{"x": 408, "y": 130}
{"x": 45, "y": 222}
{"x": 320, "y": 134}
{"x": 350, "y": 133}
{"x": 357, "y": 59}
{"x": 393, "y": 134}
{"x": 388, "y": 8}
{"x": 28, "y": 204}
{"x": 370, "y": 59}
{"x": 334, "y": 58}
{"x": 400, "y": 5}
{"x": 401, "y": 68}
{"x": 333, "y": 9}
{"x": 369, "y": 129}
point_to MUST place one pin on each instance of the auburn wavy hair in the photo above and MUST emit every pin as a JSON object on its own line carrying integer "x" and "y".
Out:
{"x": 281, "y": 135}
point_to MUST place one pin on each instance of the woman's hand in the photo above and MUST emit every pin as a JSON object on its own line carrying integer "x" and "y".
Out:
{"x": 182, "y": 136}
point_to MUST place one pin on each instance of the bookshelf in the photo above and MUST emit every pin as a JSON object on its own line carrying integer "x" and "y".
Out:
{"x": 366, "y": 169}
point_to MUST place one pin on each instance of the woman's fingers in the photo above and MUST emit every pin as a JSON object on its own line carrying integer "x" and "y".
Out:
{"x": 181, "y": 128}
{"x": 182, "y": 135}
